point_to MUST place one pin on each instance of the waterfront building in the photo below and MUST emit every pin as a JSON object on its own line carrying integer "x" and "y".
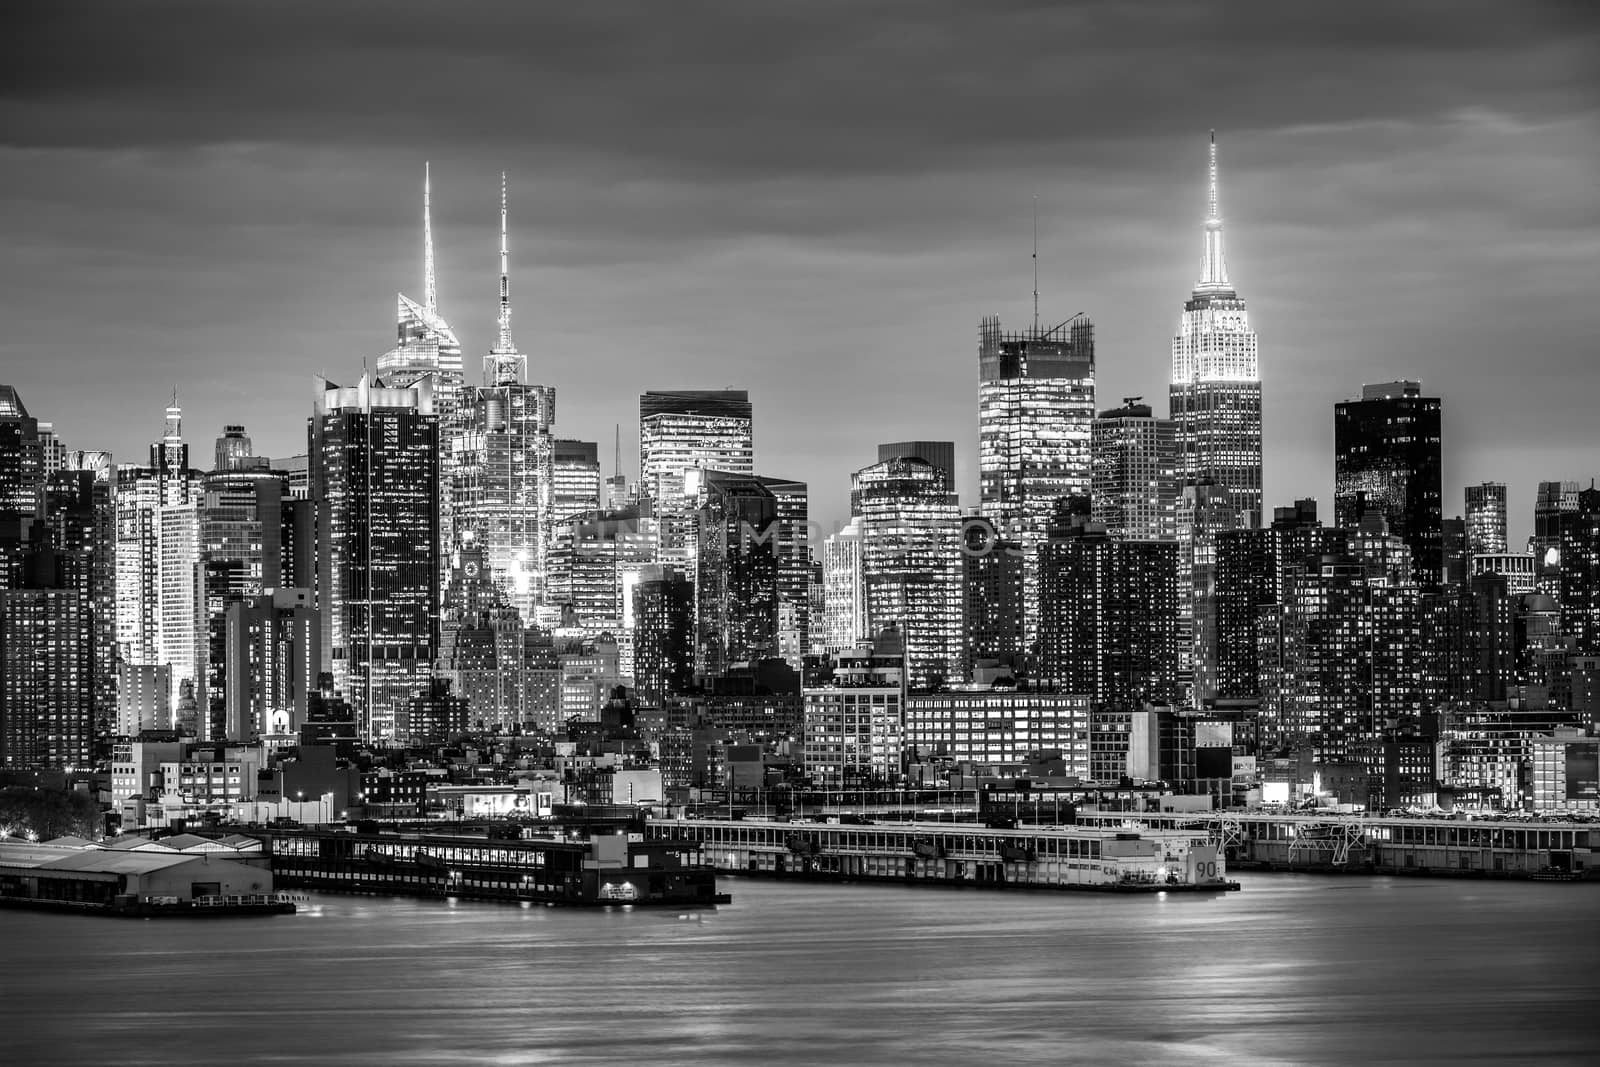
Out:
{"x": 911, "y": 563}
{"x": 375, "y": 475}
{"x": 1036, "y": 404}
{"x": 992, "y": 590}
{"x": 663, "y": 635}
{"x": 1566, "y": 771}
{"x": 1579, "y": 572}
{"x": 843, "y": 589}
{"x": 854, "y": 724}
{"x": 1387, "y": 459}
{"x": 500, "y": 463}
{"x": 1005, "y": 727}
{"x": 1486, "y": 519}
{"x": 273, "y": 650}
{"x": 575, "y": 476}
{"x": 1134, "y": 473}
{"x": 1108, "y": 628}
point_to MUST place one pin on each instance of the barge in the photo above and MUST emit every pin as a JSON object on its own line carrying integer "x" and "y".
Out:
{"x": 595, "y": 870}
{"x": 1069, "y": 857}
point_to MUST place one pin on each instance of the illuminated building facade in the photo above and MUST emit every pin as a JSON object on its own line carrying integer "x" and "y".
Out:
{"x": 991, "y": 590}
{"x": 595, "y": 562}
{"x": 80, "y": 523}
{"x": 1134, "y": 473}
{"x": 1486, "y": 519}
{"x": 375, "y": 475}
{"x": 500, "y": 464}
{"x": 844, "y": 593}
{"x": 575, "y": 478}
{"x": 792, "y": 543}
{"x": 854, "y": 725}
{"x": 1036, "y": 407}
{"x": 999, "y": 727}
{"x": 426, "y": 345}
{"x": 1386, "y": 455}
{"x": 1554, "y": 500}
{"x": 911, "y": 563}
{"x": 663, "y": 635}
{"x": 1580, "y": 573}
{"x": 272, "y": 645}
{"x": 1108, "y": 626}
{"x": 46, "y": 695}
{"x": 1215, "y": 406}
{"x": 682, "y": 433}
{"x": 737, "y": 572}
{"x": 140, "y": 495}
{"x": 490, "y": 659}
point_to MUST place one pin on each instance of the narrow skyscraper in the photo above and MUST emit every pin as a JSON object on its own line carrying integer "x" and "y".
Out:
{"x": 1215, "y": 404}
{"x": 1386, "y": 456}
{"x": 1486, "y": 519}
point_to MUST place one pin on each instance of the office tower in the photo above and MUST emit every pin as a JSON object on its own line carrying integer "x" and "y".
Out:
{"x": 46, "y": 690}
{"x": 81, "y": 522}
{"x": 991, "y": 584}
{"x": 854, "y": 724}
{"x": 235, "y": 452}
{"x": 1216, "y": 378}
{"x": 21, "y": 483}
{"x": 575, "y": 478}
{"x": 663, "y": 635}
{"x": 1108, "y": 623}
{"x": 485, "y": 652}
{"x": 500, "y": 463}
{"x": 1035, "y": 409}
{"x": 1457, "y": 562}
{"x": 426, "y": 345}
{"x": 736, "y": 574}
{"x": 140, "y": 495}
{"x": 681, "y": 434}
{"x": 685, "y": 430}
{"x": 941, "y": 454}
{"x": 1486, "y": 518}
{"x": 52, "y": 450}
{"x": 180, "y": 624}
{"x": 844, "y": 593}
{"x": 241, "y": 553}
{"x": 1215, "y": 406}
{"x": 911, "y": 563}
{"x": 1554, "y": 500}
{"x": 273, "y": 648}
{"x": 1386, "y": 450}
{"x": 375, "y": 476}
{"x": 595, "y": 561}
{"x": 1134, "y": 473}
{"x": 1255, "y": 570}
{"x": 1579, "y": 550}
{"x": 792, "y": 543}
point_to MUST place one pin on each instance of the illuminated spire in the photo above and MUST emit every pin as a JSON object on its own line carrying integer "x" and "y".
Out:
{"x": 1213, "y": 268}
{"x": 505, "y": 364}
{"x": 430, "y": 292}
{"x": 174, "y": 431}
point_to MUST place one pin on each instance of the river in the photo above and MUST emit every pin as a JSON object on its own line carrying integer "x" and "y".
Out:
{"x": 1293, "y": 969}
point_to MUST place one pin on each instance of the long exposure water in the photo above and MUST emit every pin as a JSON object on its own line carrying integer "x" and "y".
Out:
{"x": 1293, "y": 969}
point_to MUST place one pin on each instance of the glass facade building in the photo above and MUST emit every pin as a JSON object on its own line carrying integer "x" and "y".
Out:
{"x": 1386, "y": 458}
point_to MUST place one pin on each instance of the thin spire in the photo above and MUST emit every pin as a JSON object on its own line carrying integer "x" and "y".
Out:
{"x": 430, "y": 292}
{"x": 1213, "y": 267}
{"x": 618, "y": 451}
{"x": 505, "y": 344}
{"x": 1035, "y": 265}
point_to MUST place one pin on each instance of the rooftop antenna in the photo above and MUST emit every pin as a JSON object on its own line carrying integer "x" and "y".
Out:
{"x": 430, "y": 292}
{"x": 1036, "y": 265}
{"x": 618, "y": 452}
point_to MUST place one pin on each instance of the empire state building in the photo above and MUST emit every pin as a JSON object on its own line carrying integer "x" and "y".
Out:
{"x": 1215, "y": 400}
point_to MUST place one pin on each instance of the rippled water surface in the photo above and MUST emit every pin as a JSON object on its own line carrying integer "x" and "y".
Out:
{"x": 1294, "y": 969}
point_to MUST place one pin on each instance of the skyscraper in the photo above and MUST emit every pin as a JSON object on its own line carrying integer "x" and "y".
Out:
{"x": 1386, "y": 455}
{"x": 426, "y": 345}
{"x": 234, "y": 451}
{"x": 576, "y": 478}
{"x": 1486, "y": 519}
{"x": 1215, "y": 405}
{"x": 663, "y": 634}
{"x": 500, "y": 459}
{"x": 1554, "y": 500}
{"x": 1580, "y": 573}
{"x": 1036, "y": 404}
{"x": 793, "y": 547}
{"x": 736, "y": 578}
{"x": 844, "y": 594}
{"x": 1134, "y": 463}
{"x": 941, "y": 454}
{"x": 682, "y": 433}
{"x": 81, "y": 521}
{"x": 273, "y": 651}
{"x": 991, "y": 589}
{"x": 911, "y": 563}
{"x": 375, "y": 476}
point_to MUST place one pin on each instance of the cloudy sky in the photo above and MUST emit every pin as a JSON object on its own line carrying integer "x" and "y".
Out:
{"x": 816, "y": 201}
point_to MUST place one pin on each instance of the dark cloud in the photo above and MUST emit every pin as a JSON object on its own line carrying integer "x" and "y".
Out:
{"x": 813, "y": 200}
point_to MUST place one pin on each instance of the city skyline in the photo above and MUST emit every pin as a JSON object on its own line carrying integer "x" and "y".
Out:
{"x": 661, "y": 260}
